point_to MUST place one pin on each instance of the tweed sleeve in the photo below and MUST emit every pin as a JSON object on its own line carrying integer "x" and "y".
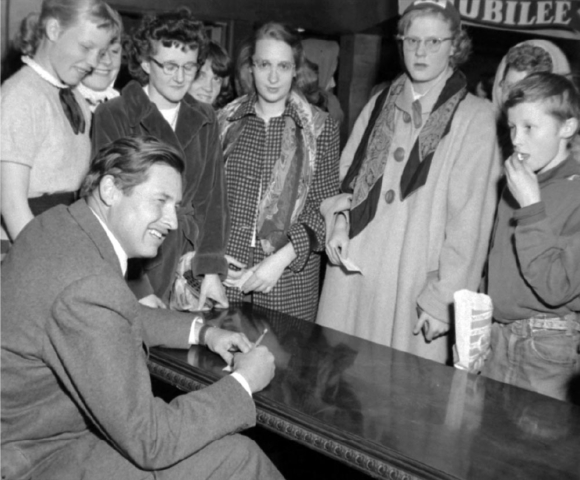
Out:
{"x": 309, "y": 233}
{"x": 97, "y": 339}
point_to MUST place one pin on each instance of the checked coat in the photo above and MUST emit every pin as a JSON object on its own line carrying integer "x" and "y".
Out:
{"x": 249, "y": 164}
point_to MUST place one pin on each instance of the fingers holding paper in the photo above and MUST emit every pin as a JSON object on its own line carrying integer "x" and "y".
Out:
{"x": 224, "y": 342}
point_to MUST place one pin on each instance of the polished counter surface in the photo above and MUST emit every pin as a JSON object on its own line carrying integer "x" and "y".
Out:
{"x": 388, "y": 413}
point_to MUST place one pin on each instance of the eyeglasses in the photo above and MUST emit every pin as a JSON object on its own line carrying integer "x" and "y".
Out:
{"x": 432, "y": 44}
{"x": 267, "y": 66}
{"x": 170, "y": 68}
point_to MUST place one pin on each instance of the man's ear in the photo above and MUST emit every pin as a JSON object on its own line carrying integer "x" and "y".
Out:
{"x": 569, "y": 128}
{"x": 53, "y": 29}
{"x": 108, "y": 191}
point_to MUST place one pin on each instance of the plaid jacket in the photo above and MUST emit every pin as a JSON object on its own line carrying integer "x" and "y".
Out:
{"x": 252, "y": 160}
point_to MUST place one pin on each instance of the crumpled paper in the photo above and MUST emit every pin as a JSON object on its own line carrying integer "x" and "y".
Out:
{"x": 473, "y": 317}
{"x": 184, "y": 296}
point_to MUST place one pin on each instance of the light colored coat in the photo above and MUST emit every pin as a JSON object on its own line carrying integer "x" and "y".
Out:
{"x": 420, "y": 251}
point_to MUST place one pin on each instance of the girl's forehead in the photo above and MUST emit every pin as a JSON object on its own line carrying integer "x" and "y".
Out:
{"x": 271, "y": 46}
{"x": 430, "y": 20}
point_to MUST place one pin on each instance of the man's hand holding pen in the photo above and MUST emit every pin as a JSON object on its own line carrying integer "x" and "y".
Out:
{"x": 256, "y": 366}
{"x": 254, "y": 362}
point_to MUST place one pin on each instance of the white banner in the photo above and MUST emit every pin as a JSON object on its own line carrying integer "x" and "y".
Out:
{"x": 554, "y": 18}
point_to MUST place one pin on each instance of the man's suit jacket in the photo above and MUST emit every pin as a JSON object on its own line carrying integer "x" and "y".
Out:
{"x": 74, "y": 367}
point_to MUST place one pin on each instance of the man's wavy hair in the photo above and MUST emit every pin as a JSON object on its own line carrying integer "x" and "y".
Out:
{"x": 128, "y": 161}
{"x": 178, "y": 29}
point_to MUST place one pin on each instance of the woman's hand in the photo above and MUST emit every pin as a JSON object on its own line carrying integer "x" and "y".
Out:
{"x": 152, "y": 301}
{"x": 337, "y": 244}
{"x": 234, "y": 274}
{"x": 522, "y": 181}
{"x": 431, "y": 327}
{"x": 268, "y": 271}
{"x": 211, "y": 287}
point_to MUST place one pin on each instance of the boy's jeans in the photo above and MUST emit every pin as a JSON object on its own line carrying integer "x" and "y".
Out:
{"x": 539, "y": 359}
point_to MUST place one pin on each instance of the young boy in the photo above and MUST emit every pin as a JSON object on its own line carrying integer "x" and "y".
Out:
{"x": 534, "y": 265}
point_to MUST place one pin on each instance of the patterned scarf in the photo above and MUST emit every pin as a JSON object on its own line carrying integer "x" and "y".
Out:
{"x": 284, "y": 196}
{"x": 364, "y": 177}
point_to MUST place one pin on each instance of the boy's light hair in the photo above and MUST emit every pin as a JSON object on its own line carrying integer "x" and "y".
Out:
{"x": 559, "y": 95}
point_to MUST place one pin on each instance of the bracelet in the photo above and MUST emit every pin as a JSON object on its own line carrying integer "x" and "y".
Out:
{"x": 203, "y": 332}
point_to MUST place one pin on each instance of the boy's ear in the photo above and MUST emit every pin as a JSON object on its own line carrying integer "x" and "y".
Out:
{"x": 569, "y": 128}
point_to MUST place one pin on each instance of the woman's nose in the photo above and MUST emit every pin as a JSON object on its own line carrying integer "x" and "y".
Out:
{"x": 106, "y": 59}
{"x": 421, "y": 49}
{"x": 273, "y": 75}
{"x": 206, "y": 85}
{"x": 180, "y": 75}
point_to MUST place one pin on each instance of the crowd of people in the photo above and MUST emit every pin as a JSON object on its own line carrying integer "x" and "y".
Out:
{"x": 233, "y": 168}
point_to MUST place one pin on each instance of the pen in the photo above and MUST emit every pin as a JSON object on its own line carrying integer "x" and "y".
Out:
{"x": 261, "y": 337}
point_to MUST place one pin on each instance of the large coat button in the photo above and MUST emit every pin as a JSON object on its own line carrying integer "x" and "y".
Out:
{"x": 389, "y": 196}
{"x": 399, "y": 154}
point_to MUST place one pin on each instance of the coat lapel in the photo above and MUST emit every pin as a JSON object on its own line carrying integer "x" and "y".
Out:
{"x": 89, "y": 223}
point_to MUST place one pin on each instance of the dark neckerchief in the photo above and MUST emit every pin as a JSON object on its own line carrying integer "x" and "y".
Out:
{"x": 365, "y": 181}
{"x": 72, "y": 110}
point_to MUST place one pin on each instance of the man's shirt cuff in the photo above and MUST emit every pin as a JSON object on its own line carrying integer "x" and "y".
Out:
{"x": 243, "y": 382}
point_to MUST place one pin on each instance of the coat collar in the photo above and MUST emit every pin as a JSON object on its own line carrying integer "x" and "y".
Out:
{"x": 87, "y": 220}
{"x": 191, "y": 118}
{"x": 405, "y": 100}
{"x": 569, "y": 169}
{"x": 247, "y": 108}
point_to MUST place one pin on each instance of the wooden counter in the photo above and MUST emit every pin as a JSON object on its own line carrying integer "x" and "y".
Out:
{"x": 388, "y": 413}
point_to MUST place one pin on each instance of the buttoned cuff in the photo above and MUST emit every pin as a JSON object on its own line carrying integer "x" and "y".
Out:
{"x": 530, "y": 214}
{"x": 242, "y": 381}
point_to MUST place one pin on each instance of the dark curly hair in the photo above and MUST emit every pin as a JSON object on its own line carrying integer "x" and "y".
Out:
{"x": 178, "y": 29}
{"x": 528, "y": 58}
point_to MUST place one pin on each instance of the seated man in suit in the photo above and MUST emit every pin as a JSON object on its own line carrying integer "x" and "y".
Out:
{"x": 76, "y": 392}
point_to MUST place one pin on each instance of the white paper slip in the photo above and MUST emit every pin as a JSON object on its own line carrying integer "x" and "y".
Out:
{"x": 350, "y": 265}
